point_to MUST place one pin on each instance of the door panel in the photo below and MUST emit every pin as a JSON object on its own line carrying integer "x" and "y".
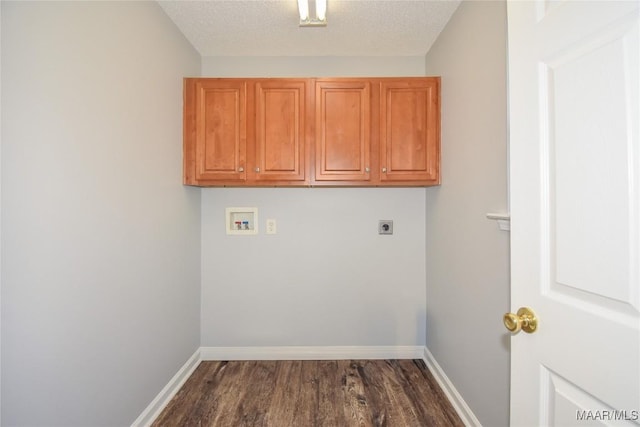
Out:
{"x": 410, "y": 130}
{"x": 568, "y": 405}
{"x": 575, "y": 207}
{"x": 593, "y": 139}
{"x": 343, "y": 124}
{"x": 280, "y": 130}
{"x": 220, "y": 119}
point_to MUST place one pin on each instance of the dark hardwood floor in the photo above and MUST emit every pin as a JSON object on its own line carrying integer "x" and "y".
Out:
{"x": 332, "y": 393}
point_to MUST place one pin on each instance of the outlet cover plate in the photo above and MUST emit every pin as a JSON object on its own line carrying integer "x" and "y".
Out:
{"x": 271, "y": 226}
{"x": 385, "y": 226}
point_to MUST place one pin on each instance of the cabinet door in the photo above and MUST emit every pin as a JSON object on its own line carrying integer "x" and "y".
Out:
{"x": 343, "y": 126}
{"x": 280, "y": 130}
{"x": 220, "y": 129}
{"x": 410, "y": 130}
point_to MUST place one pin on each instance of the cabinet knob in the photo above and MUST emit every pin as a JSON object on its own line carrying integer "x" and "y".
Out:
{"x": 240, "y": 169}
{"x": 257, "y": 169}
{"x": 367, "y": 170}
{"x": 384, "y": 170}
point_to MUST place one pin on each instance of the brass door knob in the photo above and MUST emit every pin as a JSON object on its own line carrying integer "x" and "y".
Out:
{"x": 525, "y": 319}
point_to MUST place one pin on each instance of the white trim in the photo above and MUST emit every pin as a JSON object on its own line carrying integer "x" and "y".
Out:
{"x": 458, "y": 403}
{"x": 163, "y": 398}
{"x": 311, "y": 353}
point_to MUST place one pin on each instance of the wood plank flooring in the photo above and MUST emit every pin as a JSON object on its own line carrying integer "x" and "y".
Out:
{"x": 331, "y": 393}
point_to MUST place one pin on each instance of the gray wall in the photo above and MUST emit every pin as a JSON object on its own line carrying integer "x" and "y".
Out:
{"x": 467, "y": 255}
{"x": 312, "y": 66}
{"x": 100, "y": 241}
{"x": 327, "y": 278}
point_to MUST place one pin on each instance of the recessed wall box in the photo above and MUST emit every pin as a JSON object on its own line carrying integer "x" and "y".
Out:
{"x": 241, "y": 220}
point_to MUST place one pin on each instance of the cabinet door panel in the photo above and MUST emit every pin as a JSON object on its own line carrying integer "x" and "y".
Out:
{"x": 343, "y": 124}
{"x": 220, "y": 130}
{"x": 280, "y": 130}
{"x": 410, "y": 130}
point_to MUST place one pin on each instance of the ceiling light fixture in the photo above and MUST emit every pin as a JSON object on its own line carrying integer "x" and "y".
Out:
{"x": 320, "y": 20}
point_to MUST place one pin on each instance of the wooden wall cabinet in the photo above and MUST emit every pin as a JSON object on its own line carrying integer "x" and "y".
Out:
{"x": 318, "y": 132}
{"x": 245, "y": 132}
{"x": 215, "y": 130}
{"x": 410, "y": 131}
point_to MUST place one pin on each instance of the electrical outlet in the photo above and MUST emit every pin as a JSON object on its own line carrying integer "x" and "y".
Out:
{"x": 385, "y": 226}
{"x": 271, "y": 226}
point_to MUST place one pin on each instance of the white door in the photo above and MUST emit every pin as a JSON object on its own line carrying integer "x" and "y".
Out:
{"x": 575, "y": 211}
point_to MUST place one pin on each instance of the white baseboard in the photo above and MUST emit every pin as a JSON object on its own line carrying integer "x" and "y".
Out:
{"x": 458, "y": 403}
{"x": 311, "y": 353}
{"x": 156, "y": 406}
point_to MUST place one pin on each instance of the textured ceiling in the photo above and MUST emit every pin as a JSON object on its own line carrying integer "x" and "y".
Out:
{"x": 270, "y": 27}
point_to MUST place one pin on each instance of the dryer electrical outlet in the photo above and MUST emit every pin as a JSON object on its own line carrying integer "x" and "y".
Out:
{"x": 385, "y": 226}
